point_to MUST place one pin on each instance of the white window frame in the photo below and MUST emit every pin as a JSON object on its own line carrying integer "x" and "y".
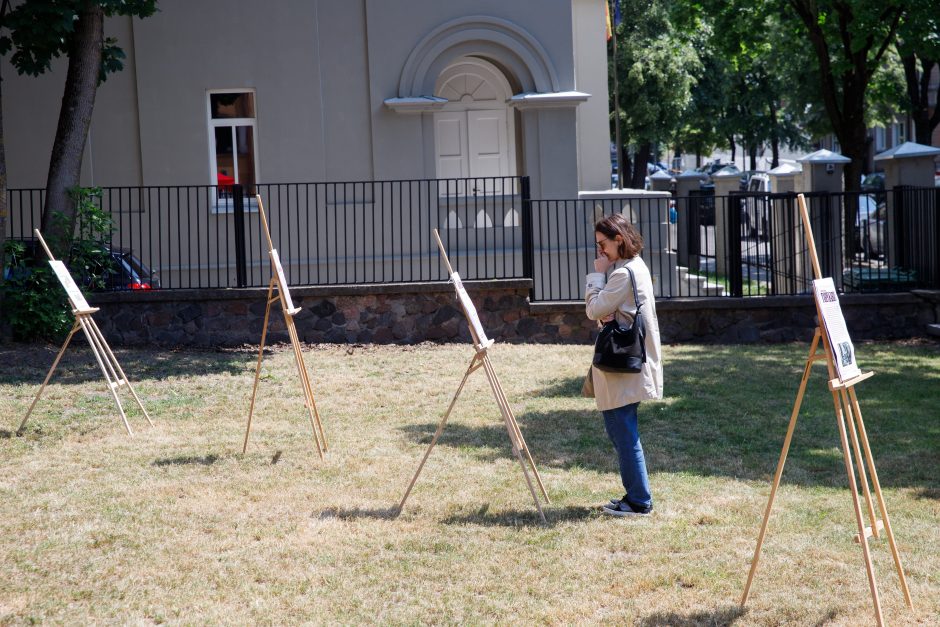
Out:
{"x": 880, "y": 138}
{"x": 225, "y": 205}
{"x": 900, "y": 133}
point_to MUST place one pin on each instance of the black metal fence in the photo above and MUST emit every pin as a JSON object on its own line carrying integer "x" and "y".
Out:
{"x": 325, "y": 233}
{"x": 380, "y": 232}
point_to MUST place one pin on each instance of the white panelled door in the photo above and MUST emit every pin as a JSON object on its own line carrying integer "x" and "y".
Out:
{"x": 487, "y": 146}
{"x": 473, "y": 135}
{"x": 450, "y": 135}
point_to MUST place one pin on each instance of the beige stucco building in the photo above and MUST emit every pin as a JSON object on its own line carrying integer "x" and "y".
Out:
{"x": 337, "y": 90}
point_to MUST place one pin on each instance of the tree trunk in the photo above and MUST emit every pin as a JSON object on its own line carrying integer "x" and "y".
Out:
{"x": 752, "y": 155}
{"x": 78, "y": 102}
{"x": 774, "y": 136}
{"x": 4, "y": 207}
{"x": 734, "y": 152}
{"x": 639, "y": 165}
{"x": 918, "y": 93}
{"x": 626, "y": 168}
{"x": 854, "y": 142}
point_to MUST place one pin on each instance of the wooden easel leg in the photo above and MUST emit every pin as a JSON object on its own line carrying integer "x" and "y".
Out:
{"x": 254, "y": 388}
{"x": 880, "y": 497}
{"x": 55, "y": 363}
{"x": 117, "y": 367}
{"x": 474, "y": 364}
{"x": 302, "y": 374}
{"x": 514, "y": 425}
{"x": 308, "y": 391}
{"x": 859, "y": 464}
{"x": 863, "y": 540}
{"x": 514, "y": 435}
{"x": 107, "y": 370}
{"x": 780, "y": 463}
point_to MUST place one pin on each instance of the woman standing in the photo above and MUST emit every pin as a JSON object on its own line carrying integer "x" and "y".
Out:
{"x": 609, "y": 296}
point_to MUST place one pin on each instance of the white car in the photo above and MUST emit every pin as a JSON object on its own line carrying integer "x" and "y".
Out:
{"x": 754, "y": 210}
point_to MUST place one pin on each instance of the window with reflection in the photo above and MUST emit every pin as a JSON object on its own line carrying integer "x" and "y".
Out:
{"x": 232, "y": 153}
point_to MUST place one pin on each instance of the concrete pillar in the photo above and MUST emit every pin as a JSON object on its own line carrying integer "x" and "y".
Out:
{"x": 823, "y": 172}
{"x": 725, "y": 184}
{"x": 791, "y": 271}
{"x": 689, "y": 235}
{"x": 911, "y": 165}
{"x": 908, "y": 164}
{"x": 661, "y": 181}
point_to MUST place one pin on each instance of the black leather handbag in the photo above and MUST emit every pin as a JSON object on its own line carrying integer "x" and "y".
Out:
{"x": 619, "y": 348}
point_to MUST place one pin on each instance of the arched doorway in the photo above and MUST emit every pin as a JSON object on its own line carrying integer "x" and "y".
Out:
{"x": 474, "y": 132}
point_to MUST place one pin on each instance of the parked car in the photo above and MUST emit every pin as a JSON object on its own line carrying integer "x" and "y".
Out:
{"x": 874, "y": 182}
{"x": 125, "y": 272}
{"x": 870, "y": 225}
{"x": 715, "y": 166}
{"x": 746, "y": 176}
{"x": 754, "y": 209}
{"x": 872, "y": 212}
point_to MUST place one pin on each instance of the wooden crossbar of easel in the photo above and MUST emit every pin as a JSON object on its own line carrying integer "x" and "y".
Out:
{"x": 479, "y": 360}
{"x": 289, "y": 311}
{"x": 851, "y": 432}
{"x": 110, "y": 368}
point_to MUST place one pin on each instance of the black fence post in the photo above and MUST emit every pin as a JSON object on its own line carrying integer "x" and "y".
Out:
{"x": 238, "y": 209}
{"x": 528, "y": 245}
{"x": 733, "y": 237}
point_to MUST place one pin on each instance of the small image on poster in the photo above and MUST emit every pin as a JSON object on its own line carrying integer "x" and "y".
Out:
{"x": 843, "y": 352}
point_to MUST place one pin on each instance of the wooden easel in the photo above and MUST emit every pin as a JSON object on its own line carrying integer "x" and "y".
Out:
{"x": 481, "y": 359}
{"x": 851, "y": 426}
{"x": 108, "y": 363}
{"x": 287, "y": 308}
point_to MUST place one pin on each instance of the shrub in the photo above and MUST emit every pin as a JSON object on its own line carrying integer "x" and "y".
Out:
{"x": 34, "y": 304}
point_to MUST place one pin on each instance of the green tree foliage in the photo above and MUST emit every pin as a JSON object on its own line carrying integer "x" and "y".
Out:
{"x": 655, "y": 66}
{"x": 35, "y": 305}
{"x": 919, "y": 49}
{"x": 38, "y": 31}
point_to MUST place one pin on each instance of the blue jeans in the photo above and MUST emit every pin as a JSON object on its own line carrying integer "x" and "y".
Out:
{"x": 621, "y": 424}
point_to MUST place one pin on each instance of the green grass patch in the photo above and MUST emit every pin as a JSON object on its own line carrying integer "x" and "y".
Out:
{"x": 177, "y": 526}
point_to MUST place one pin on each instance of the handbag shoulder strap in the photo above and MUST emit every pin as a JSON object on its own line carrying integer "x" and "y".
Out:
{"x": 636, "y": 293}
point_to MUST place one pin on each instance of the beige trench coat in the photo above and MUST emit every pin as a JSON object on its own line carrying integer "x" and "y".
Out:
{"x": 611, "y": 293}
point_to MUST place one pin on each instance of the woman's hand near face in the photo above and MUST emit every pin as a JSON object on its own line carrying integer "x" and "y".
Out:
{"x": 601, "y": 263}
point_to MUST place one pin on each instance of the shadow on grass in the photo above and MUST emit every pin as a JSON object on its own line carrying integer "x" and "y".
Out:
{"x": 29, "y": 363}
{"x": 716, "y": 618}
{"x": 726, "y": 414}
{"x": 561, "y": 388}
{"x": 355, "y": 513}
{"x": 523, "y": 517}
{"x": 189, "y": 460}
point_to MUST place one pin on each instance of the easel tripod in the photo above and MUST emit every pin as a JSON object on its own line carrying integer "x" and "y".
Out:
{"x": 479, "y": 360}
{"x": 110, "y": 368}
{"x": 289, "y": 311}
{"x": 851, "y": 427}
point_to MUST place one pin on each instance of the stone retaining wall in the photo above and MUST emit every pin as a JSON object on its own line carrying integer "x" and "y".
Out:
{"x": 410, "y": 313}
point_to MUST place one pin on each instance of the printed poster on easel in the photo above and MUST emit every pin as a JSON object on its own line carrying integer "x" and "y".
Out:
{"x": 279, "y": 270}
{"x": 843, "y": 352}
{"x": 75, "y": 294}
{"x": 472, "y": 317}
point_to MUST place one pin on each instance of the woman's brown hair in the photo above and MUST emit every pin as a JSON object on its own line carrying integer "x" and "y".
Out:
{"x": 616, "y": 224}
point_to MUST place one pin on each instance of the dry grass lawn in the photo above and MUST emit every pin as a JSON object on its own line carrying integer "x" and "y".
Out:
{"x": 175, "y": 525}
